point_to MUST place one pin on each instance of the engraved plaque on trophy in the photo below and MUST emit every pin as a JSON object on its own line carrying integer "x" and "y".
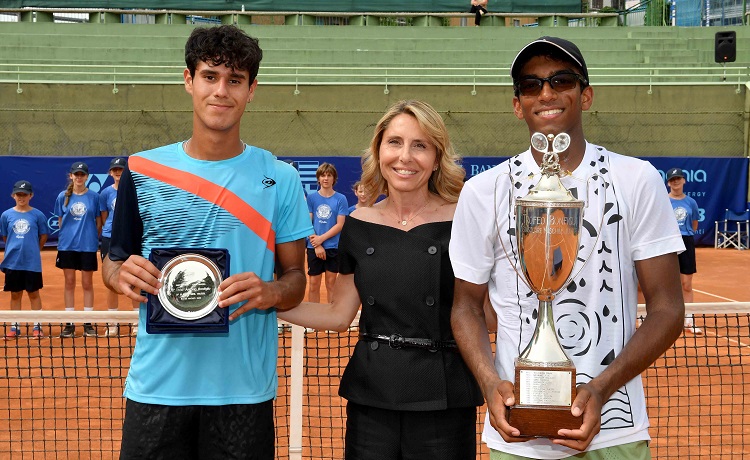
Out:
{"x": 548, "y": 222}
{"x": 189, "y": 296}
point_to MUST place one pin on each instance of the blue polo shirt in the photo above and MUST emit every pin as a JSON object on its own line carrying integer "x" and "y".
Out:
{"x": 22, "y": 231}
{"x": 78, "y": 230}
{"x": 325, "y": 212}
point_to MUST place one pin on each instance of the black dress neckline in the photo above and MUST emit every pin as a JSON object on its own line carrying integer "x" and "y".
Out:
{"x": 426, "y": 224}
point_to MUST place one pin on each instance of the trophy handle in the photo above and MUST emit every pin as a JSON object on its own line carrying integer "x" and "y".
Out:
{"x": 497, "y": 229}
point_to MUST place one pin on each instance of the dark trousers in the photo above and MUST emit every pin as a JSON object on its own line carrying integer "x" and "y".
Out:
{"x": 478, "y": 12}
{"x": 381, "y": 434}
{"x": 234, "y": 431}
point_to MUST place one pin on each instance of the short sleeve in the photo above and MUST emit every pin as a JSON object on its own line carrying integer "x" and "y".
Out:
{"x": 471, "y": 250}
{"x": 103, "y": 201}
{"x": 4, "y": 224}
{"x": 310, "y": 204}
{"x": 59, "y": 204}
{"x": 653, "y": 228}
{"x": 343, "y": 206}
{"x": 127, "y": 225}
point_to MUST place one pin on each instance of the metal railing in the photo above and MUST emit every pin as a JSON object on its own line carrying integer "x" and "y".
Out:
{"x": 299, "y": 76}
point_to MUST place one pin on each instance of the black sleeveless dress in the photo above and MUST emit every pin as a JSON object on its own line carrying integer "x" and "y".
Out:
{"x": 405, "y": 282}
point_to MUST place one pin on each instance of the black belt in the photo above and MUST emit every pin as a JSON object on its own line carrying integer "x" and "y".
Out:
{"x": 397, "y": 341}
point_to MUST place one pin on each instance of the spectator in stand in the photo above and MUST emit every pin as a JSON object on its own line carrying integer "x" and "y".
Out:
{"x": 479, "y": 8}
{"x": 24, "y": 231}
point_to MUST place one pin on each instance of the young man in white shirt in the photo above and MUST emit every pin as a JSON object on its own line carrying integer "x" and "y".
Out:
{"x": 626, "y": 237}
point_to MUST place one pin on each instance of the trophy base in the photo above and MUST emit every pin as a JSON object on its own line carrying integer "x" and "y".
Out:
{"x": 542, "y": 421}
{"x": 544, "y": 395}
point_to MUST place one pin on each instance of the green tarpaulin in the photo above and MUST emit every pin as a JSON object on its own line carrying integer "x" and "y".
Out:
{"x": 432, "y": 6}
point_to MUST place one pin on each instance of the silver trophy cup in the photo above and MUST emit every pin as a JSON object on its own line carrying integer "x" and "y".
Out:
{"x": 548, "y": 223}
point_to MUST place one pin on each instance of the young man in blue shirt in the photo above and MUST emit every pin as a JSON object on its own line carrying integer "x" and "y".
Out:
{"x": 210, "y": 396}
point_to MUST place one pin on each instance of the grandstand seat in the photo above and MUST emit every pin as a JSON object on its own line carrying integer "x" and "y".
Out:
{"x": 733, "y": 231}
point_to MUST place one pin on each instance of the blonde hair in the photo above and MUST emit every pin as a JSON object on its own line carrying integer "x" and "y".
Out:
{"x": 446, "y": 181}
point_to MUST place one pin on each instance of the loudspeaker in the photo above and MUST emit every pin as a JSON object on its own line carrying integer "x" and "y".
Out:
{"x": 725, "y": 46}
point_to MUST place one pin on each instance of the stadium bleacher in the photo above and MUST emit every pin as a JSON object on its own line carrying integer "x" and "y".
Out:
{"x": 362, "y": 46}
{"x": 345, "y": 75}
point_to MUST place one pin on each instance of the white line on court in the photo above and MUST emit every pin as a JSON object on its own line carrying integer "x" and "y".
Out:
{"x": 739, "y": 343}
{"x": 717, "y": 296}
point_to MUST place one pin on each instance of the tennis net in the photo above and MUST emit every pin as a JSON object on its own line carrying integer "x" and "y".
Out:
{"x": 62, "y": 398}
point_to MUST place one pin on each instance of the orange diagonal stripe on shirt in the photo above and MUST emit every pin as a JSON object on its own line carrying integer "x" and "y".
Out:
{"x": 209, "y": 191}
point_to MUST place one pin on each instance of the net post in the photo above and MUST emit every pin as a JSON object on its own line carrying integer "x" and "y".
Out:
{"x": 295, "y": 392}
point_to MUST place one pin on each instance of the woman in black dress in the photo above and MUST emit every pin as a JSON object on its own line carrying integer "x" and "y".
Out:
{"x": 410, "y": 395}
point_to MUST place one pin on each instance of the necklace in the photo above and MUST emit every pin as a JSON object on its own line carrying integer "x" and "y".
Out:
{"x": 405, "y": 222}
{"x": 564, "y": 161}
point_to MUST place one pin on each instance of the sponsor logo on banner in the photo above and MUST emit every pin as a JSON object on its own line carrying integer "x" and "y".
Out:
{"x": 475, "y": 169}
{"x": 53, "y": 223}
{"x": 96, "y": 182}
{"x": 691, "y": 175}
{"x": 307, "y": 171}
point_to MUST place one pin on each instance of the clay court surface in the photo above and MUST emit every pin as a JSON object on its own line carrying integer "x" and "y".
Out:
{"x": 63, "y": 398}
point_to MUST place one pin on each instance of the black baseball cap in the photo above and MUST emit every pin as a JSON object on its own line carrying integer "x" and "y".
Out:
{"x": 675, "y": 172}
{"x": 79, "y": 166}
{"x": 544, "y": 45}
{"x": 23, "y": 186}
{"x": 118, "y": 162}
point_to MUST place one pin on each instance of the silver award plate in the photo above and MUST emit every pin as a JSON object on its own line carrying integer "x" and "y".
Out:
{"x": 190, "y": 286}
{"x": 545, "y": 388}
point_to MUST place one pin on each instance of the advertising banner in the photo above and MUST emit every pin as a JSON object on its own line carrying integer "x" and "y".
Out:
{"x": 716, "y": 184}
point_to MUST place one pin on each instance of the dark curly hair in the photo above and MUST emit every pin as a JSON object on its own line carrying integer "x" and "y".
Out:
{"x": 226, "y": 45}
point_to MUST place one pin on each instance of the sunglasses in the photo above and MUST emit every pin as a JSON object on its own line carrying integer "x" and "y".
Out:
{"x": 563, "y": 81}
